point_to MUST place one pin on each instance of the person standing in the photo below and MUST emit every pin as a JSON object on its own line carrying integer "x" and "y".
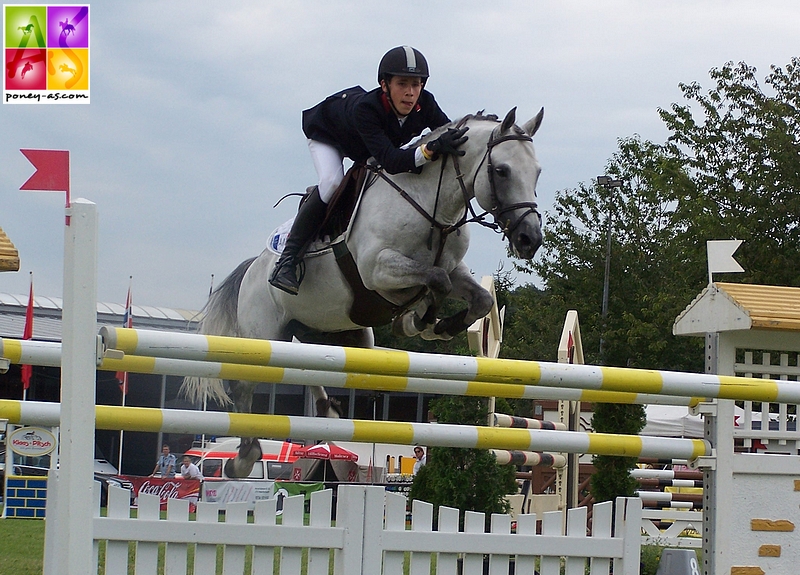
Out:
{"x": 189, "y": 470}
{"x": 165, "y": 465}
{"x": 422, "y": 459}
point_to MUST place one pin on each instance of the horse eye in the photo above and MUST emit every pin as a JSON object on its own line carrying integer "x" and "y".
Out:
{"x": 501, "y": 171}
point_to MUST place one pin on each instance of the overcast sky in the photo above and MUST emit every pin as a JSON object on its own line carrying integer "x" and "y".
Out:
{"x": 193, "y": 131}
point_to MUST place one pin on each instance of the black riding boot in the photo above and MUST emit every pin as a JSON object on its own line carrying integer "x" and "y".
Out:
{"x": 306, "y": 223}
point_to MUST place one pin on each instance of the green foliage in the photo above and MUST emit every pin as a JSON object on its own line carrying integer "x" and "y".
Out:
{"x": 466, "y": 479}
{"x": 741, "y": 144}
{"x": 612, "y": 474}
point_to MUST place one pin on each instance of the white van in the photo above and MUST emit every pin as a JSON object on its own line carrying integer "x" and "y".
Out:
{"x": 276, "y": 461}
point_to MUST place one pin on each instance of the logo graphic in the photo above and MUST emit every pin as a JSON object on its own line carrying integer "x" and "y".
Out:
{"x": 46, "y": 54}
{"x": 33, "y": 441}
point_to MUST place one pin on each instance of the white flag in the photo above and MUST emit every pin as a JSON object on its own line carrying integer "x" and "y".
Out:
{"x": 720, "y": 257}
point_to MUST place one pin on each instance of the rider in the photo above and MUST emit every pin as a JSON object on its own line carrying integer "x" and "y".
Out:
{"x": 358, "y": 125}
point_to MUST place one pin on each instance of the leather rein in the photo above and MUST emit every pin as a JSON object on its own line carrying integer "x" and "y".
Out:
{"x": 469, "y": 216}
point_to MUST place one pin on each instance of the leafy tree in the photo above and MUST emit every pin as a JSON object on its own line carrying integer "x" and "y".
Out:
{"x": 741, "y": 144}
{"x": 466, "y": 479}
{"x": 645, "y": 293}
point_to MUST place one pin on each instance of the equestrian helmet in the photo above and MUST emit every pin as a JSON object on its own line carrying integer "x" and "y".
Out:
{"x": 403, "y": 61}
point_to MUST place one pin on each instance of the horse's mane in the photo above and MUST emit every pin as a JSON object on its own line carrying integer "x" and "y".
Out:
{"x": 479, "y": 115}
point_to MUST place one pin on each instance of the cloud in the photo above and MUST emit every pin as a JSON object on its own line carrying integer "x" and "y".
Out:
{"x": 194, "y": 133}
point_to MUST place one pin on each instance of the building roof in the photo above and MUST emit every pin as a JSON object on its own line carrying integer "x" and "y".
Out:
{"x": 729, "y": 307}
{"x": 47, "y": 317}
{"x": 9, "y": 256}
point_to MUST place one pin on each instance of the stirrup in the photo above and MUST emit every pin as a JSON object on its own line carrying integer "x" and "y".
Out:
{"x": 284, "y": 277}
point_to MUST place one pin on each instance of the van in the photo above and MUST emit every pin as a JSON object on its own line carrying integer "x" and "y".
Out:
{"x": 276, "y": 461}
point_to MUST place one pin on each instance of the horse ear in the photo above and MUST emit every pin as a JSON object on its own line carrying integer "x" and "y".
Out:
{"x": 509, "y": 120}
{"x": 532, "y": 125}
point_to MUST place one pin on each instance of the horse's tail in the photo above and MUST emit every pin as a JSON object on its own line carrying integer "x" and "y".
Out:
{"x": 219, "y": 318}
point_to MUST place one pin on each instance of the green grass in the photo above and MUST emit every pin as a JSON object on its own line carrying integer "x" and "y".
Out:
{"x": 21, "y": 546}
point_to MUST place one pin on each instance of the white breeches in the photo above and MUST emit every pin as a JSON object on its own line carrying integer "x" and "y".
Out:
{"x": 329, "y": 165}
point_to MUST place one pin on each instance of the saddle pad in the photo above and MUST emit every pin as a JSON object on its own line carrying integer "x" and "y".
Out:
{"x": 277, "y": 239}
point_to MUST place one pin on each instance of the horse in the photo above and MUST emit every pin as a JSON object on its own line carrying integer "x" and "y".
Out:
{"x": 66, "y": 68}
{"x": 412, "y": 260}
{"x": 66, "y": 27}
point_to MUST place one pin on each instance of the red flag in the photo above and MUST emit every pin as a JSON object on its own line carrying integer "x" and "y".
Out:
{"x": 571, "y": 348}
{"x": 127, "y": 321}
{"x": 52, "y": 171}
{"x": 27, "y": 370}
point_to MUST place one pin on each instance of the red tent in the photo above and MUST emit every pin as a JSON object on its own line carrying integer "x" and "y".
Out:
{"x": 325, "y": 451}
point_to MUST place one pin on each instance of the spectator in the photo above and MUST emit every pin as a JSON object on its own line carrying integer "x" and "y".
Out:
{"x": 165, "y": 466}
{"x": 422, "y": 459}
{"x": 189, "y": 470}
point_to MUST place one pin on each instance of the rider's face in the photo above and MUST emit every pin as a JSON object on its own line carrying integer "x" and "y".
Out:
{"x": 404, "y": 92}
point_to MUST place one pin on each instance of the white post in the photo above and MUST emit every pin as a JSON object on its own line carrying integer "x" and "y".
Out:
{"x": 71, "y": 527}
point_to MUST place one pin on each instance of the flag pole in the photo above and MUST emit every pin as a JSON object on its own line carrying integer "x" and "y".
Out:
{"x": 27, "y": 333}
{"x": 127, "y": 321}
{"x": 205, "y": 397}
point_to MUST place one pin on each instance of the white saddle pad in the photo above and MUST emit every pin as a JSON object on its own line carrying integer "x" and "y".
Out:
{"x": 277, "y": 241}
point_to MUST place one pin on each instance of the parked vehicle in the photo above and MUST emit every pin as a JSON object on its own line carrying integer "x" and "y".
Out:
{"x": 276, "y": 462}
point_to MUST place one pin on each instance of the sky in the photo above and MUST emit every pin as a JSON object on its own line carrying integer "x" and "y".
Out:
{"x": 193, "y": 130}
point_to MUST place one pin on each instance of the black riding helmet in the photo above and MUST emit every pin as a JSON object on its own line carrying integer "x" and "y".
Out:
{"x": 403, "y": 61}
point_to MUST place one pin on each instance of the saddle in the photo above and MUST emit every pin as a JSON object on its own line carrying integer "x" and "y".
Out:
{"x": 369, "y": 309}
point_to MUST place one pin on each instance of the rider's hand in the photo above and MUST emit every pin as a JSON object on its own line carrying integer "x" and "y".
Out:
{"x": 449, "y": 142}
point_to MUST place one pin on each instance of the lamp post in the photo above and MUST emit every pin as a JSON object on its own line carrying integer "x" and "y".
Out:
{"x": 609, "y": 184}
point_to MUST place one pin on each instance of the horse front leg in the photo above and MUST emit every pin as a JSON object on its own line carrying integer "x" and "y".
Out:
{"x": 479, "y": 303}
{"x": 394, "y": 271}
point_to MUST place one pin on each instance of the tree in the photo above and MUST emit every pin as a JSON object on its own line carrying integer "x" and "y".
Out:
{"x": 465, "y": 479}
{"x": 645, "y": 293}
{"x": 741, "y": 145}
{"x": 644, "y": 296}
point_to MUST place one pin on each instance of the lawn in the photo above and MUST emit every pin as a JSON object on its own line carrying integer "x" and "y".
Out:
{"x": 21, "y": 546}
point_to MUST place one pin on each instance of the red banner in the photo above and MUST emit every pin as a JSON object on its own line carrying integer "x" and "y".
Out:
{"x": 175, "y": 488}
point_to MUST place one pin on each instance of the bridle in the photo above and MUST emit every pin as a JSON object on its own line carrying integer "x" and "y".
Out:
{"x": 496, "y": 210}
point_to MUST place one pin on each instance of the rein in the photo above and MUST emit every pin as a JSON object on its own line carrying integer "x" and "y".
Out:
{"x": 495, "y": 210}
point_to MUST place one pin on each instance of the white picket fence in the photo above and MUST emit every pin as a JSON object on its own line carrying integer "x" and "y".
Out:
{"x": 369, "y": 536}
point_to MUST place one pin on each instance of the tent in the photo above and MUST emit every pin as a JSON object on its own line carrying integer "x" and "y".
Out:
{"x": 672, "y": 421}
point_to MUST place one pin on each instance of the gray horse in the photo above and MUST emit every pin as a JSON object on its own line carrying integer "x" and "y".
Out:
{"x": 407, "y": 240}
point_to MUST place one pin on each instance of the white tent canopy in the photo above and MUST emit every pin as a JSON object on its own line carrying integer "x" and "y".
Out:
{"x": 672, "y": 421}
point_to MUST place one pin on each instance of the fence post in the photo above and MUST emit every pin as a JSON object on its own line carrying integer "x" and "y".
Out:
{"x": 628, "y": 525}
{"x": 71, "y": 525}
{"x": 350, "y": 515}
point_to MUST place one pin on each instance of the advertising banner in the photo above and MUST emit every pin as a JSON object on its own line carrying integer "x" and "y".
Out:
{"x": 224, "y": 491}
{"x": 174, "y": 488}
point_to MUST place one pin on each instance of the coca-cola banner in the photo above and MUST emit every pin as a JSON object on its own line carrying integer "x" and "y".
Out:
{"x": 174, "y": 488}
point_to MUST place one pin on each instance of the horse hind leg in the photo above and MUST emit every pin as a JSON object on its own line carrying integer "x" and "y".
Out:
{"x": 327, "y": 406}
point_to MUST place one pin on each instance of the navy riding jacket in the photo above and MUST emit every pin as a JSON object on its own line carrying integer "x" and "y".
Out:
{"x": 362, "y": 124}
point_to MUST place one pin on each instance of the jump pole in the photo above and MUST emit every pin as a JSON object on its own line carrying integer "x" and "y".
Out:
{"x": 414, "y": 364}
{"x": 49, "y": 354}
{"x": 327, "y": 429}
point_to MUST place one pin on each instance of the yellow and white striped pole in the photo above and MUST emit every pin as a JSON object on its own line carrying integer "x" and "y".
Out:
{"x": 48, "y": 354}
{"x": 413, "y": 364}
{"x": 327, "y": 429}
